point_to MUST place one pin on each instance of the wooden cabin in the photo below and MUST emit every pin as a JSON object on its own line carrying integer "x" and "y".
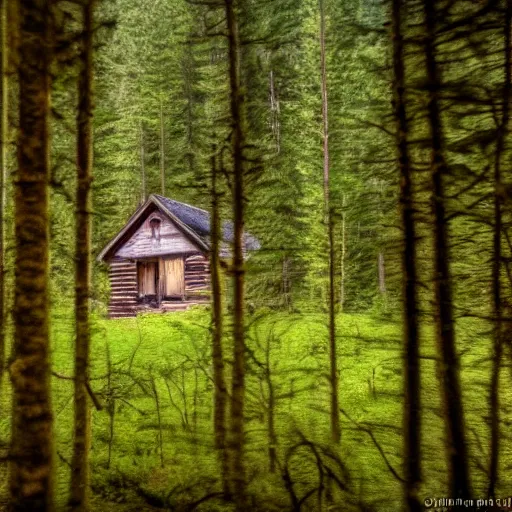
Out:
{"x": 159, "y": 261}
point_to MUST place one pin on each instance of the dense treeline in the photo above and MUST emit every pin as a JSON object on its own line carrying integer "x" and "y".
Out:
{"x": 366, "y": 145}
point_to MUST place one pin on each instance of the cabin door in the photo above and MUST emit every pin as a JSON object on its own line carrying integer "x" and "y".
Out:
{"x": 172, "y": 277}
{"x": 147, "y": 276}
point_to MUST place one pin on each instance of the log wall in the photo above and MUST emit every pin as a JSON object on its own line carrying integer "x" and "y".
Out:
{"x": 197, "y": 276}
{"x": 123, "y": 284}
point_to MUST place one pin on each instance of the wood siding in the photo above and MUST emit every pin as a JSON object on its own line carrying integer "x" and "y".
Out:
{"x": 197, "y": 275}
{"x": 186, "y": 278}
{"x": 123, "y": 283}
{"x": 147, "y": 242}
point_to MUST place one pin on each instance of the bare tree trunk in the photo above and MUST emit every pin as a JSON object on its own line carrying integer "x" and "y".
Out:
{"x": 382, "y": 274}
{"x": 286, "y": 282}
{"x": 343, "y": 253}
{"x": 31, "y": 454}
{"x": 274, "y": 112}
{"x": 271, "y": 411}
{"x": 111, "y": 408}
{"x": 494, "y": 398}
{"x": 162, "y": 148}
{"x": 79, "y": 490}
{"x": 142, "y": 164}
{"x": 456, "y": 448}
{"x": 159, "y": 419}
{"x": 4, "y": 117}
{"x": 220, "y": 390}
{"x": 237, "y": 438}
{"x": 329, "y": 220}
{"x": 412, "y": 402}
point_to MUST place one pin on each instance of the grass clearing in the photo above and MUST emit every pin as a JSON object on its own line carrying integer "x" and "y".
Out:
{"x": 172, "y": 351}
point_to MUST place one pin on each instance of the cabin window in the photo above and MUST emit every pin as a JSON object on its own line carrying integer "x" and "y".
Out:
{"x": 154, "y": 224}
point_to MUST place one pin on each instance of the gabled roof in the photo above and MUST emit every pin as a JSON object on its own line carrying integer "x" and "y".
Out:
{"x": 193, "y": 221}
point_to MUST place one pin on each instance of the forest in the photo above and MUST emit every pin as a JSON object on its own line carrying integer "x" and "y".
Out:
{"x": 255, "y": 255}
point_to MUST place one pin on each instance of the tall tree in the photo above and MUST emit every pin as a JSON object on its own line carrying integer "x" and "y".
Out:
{"x": 497, "y": 306}
{"x": 162, "y": 149}
{"x": 31, "y": 454}
{"x": 237, "y": 441}
{"x": 220, "y": 390}
{"x": 329, "y": 221}
{"x": 3, "y": 173}
{"x": 79, "y": 491}
{"x": 458, "y": 463}
{"x": 412, "y": 405}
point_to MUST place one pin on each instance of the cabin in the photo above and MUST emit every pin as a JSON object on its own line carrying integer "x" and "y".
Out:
{"x": 159, "y": 261}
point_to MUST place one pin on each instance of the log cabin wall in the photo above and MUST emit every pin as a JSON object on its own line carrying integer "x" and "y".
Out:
{"x": 123, "y": 284}
{"x": 197, "y": 276}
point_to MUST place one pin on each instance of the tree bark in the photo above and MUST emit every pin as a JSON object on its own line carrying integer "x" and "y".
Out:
{"x": 382, "y": 274}
{"x": 4, "y": 117}
{"x": 162, "y": 149}
{"x": 329, "y": 220}
{"x": 412, "y": 402}
{"x": 142, "y": 164}
{"x": 343, "y": 253}
{"x": 497, "y": 307}
{"x": 456, "y": 445}
{"x": 79, "y": 487}
{"x": 237, "y": 438}
{"x": 31, "y": 453}
{"x": 220, "y": 390}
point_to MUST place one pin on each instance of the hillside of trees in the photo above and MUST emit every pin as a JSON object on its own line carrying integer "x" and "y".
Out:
{"x": 359, "y": 359}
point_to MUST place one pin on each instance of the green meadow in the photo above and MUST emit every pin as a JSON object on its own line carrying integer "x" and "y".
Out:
{"x": 152, "y": 442}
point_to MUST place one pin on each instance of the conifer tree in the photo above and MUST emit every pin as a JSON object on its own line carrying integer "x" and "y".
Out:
{"x": 456, "y": 449}
{"x": 79, "y": 490}
{"x": 4, "y": 113}
{"x": 237, "y": 441}
{"x": 31, "y": 454}
{"x": 412, "y": 405}
{"x": 497, "y": 257}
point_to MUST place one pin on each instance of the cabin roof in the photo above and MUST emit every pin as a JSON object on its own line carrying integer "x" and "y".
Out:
{"x": 193, "y": 221}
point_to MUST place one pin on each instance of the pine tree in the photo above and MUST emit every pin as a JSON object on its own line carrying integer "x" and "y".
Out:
{"x": 444, "y": 320}
{"x": 31, "y": 454}
{"x": 497, "y": 257}
{"x": 3, "y": 176}
{"x": 412, "y": 405}
{"x": 79, "y": 490}
{"x": 237, "y": 442}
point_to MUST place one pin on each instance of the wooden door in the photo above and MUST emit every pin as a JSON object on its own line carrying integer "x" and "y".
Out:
{"x": 172, "y": 276}
{"x": 146, "y": 277}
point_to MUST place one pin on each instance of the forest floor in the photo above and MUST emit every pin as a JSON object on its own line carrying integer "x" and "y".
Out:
{"x": 152, "y": 441}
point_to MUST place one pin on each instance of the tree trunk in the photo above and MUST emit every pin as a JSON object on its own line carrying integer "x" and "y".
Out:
{"x": 271, "y": 410}
{"x": 274, "y": 113}
{"x": 382, "y": 274}
{"x": 142, "y": 165}
{"x": 456, "y": 448}
{"x": 4, "y": 119}
{"x": 220, "y": 390}
{"x": 329, "y": 220}
{"x": 497, "y": 307}
{"x": 31, "y": 454}
{"x": 237, "y": 440}
{"x": 412, "y": 402}
{"x": 343, "y": 253}
{"x": 79, "y": 491}
{"x": 162, "y": 149}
